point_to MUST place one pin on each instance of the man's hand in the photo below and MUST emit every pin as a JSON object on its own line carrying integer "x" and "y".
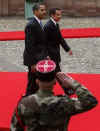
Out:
{"x": 33, "y": 68}
{"x": 70, "y": 52}
{"x": 64, "y": 79}
{"x": 66, "y": 82}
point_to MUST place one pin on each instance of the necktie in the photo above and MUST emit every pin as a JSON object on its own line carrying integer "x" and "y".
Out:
{"x": 57, "y": 25}
{"x": 41, "y": 25}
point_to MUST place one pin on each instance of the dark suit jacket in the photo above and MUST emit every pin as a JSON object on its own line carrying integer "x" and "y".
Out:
{"x": 54, "y": 40}
{"x": 35, "y": 43}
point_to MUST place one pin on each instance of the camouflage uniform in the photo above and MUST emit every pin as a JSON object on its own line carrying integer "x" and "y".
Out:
{"x": 46, "y": 112}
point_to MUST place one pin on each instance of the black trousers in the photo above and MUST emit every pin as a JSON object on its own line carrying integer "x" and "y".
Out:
{"x": 32, "y": 87}
{"x": 58, "y": 69}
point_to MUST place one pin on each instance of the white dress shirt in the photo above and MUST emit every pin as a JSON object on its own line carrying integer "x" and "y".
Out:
{"x": 53, "y": 21}
{"x": 37, "y": 19}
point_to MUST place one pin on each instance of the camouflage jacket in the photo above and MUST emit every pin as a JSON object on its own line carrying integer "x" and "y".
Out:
{"x": 46, "y": 112}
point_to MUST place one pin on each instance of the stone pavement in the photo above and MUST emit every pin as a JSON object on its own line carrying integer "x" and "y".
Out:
{"x": 86, "y": 52}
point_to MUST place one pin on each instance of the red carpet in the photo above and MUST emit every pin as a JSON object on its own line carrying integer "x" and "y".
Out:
{"x": 13, "y": 84}
{"x": 12, "y": 35}
{"x": 81, "y": 32}
{"x": 67, "y": 33}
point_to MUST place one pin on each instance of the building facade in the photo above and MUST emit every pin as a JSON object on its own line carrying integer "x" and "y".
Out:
{"x": 77, "y": 7}
{"x": 70, "y": 7}
{"x": 11, "y": 7}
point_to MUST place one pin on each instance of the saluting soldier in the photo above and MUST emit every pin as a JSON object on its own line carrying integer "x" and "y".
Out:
{"x": 43, "y": 111}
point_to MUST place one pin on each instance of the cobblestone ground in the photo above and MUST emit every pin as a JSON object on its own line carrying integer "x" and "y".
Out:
{"x": 86, "y": 52}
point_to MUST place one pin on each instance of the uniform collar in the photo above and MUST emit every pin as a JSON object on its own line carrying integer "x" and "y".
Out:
{"x": 44, "y": 93}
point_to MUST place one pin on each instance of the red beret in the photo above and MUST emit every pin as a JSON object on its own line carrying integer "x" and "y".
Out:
{"x": 46, "y": 70}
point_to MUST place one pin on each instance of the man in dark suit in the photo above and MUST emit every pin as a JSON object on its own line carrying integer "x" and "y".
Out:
{"x": 35, "y": 45}
{"x": 55, "y": 38}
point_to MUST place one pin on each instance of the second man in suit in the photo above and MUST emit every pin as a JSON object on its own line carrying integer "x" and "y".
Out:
{"x": 54, "y": 37}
